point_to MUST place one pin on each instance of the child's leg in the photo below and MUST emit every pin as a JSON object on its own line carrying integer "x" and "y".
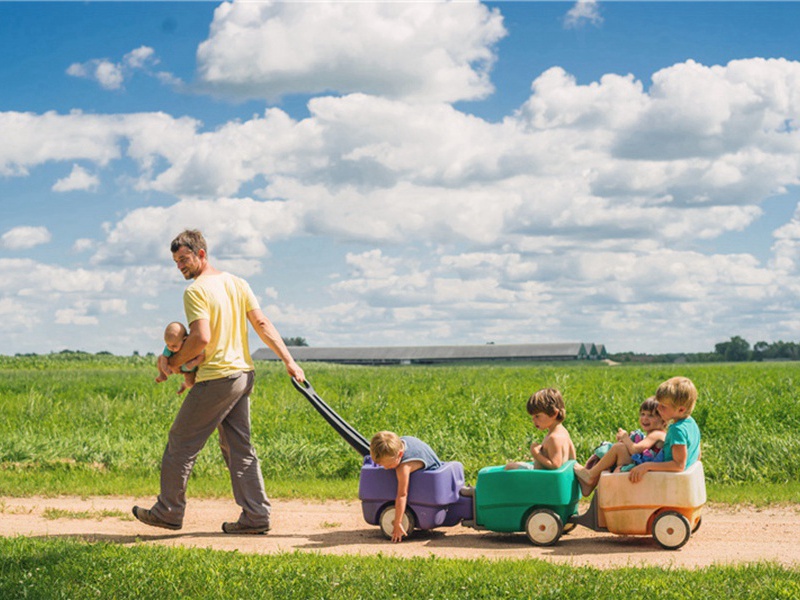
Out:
{"x": 188, "y": 381}
{"x": 162, "y": 376}
{"x": 510, "y": 466}
{"x": 616, "y": 456}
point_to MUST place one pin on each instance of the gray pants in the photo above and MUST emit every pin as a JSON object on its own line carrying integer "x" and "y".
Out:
{"x": 222, "y": 404}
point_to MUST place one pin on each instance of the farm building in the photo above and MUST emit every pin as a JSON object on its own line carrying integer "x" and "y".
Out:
{"x": 407, "y": 355}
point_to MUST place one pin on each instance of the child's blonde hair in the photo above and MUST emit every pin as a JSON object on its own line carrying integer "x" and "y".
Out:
{"x": 549, "y": 402}
{"x": 680, "y": 391}
{"x": 385, "y": 444}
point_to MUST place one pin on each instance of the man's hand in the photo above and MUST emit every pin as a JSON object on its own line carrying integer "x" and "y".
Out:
{"x": 295, "y": 371}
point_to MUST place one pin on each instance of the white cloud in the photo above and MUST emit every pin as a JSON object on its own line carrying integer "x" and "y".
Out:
{"x": 32, "y": 140}
{"x": 583, "y": 12}
{"x": 236, "y": 229}
{"x": 582, "y": 212}
{"x": 78, "y": 179}
{"x": 107, "y": 74}
{"x": 112, "y": 75}
{"x": 74, "y": 316}
{"x": 83, "y": 245}
{"x": 24, "y": 237}
{"x": 428, "y": 50}
{"x": 114, "y": 305}
{"x": 141, "y": 57}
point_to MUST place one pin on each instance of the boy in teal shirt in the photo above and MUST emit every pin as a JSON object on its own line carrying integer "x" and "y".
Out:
{"x": 676, "y": 399}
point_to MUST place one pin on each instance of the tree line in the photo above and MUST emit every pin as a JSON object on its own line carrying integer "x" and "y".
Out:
{"x": 737, "y": 349}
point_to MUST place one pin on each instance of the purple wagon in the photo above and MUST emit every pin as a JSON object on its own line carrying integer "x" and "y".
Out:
{"x": 434, "y": 497}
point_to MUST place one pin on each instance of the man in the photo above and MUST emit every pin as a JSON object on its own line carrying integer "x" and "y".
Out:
{"x": 218, "y": 306}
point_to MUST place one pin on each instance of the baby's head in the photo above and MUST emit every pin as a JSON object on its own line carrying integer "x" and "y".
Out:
{"x": 678, "y": 393}
{"x": 386, "y": 449}
{"x": 549, "y": 402}
{"x": 174, "y": 335}
{"x": 649, "y": 418}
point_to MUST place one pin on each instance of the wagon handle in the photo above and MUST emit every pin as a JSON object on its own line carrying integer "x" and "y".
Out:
{"x": 342, "y": 427}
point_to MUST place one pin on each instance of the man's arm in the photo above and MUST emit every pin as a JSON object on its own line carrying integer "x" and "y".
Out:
{"x": 270, "y": 336}
{"x": 194, "y": 344}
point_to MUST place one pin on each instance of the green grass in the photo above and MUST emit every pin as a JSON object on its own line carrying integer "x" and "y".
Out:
{"x": 84, "y": 425}
{"x": 79, "y": 424}
{"x": 95, "y": 515}
{"x": 61, "y": 568}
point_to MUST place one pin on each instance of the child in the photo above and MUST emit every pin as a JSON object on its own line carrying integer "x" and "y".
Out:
{"x": 174, "y": 335}
{"x": 676, "y": 398}
{"x": 405, "y": 455}
{"x": 547, "y": 410}
{"x": 631, "y": 448}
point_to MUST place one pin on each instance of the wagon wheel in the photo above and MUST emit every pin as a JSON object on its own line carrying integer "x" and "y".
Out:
{"x": 671, "y": 530}
{"x": 543, "y": 527}
{"x": 386, "y": 521}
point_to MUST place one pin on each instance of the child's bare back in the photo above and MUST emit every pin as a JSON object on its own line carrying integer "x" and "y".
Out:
{"x": 557, "y": 448}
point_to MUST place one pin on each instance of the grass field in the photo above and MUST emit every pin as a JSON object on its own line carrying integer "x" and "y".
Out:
{"x": 74, "y": 571}
{"x": 97, "y": 425}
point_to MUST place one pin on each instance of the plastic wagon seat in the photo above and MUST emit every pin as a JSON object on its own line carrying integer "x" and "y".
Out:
{"x": 433, "y": 495}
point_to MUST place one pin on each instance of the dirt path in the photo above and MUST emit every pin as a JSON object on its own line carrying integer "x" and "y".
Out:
{"x": 728, "y": 535}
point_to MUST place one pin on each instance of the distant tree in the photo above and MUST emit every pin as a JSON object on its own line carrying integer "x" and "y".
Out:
{"x": 295, "y": 341}
{"x": 737, "y": 349}
{"x": 759, "y": 348}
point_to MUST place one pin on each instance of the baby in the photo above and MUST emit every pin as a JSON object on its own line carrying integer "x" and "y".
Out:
{"x": 174, "y": 336}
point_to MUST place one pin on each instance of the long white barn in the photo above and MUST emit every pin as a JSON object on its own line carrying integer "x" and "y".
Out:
{"x": 393, "y": 355}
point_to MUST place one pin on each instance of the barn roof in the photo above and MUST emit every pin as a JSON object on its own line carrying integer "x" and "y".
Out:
{"x": 429, "y": 354}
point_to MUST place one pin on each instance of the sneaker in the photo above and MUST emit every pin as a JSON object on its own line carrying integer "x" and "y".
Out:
{"x": 148, "y": 518}
{"x": 236, "y": 527}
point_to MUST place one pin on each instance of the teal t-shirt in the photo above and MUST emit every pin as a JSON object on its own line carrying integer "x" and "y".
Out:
{"x": 683, "y": 433}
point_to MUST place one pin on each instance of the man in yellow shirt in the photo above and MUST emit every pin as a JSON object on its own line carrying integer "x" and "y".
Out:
{"x": 218, "y": 307}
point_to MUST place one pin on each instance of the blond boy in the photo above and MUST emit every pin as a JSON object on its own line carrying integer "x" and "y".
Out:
{"x": 676, "y": 400}
{"x": 405, "y": 455}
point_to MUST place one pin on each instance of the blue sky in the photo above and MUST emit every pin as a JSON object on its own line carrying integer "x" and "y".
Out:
{"x": 404, "y": 173}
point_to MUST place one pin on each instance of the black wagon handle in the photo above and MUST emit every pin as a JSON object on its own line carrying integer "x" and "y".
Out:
{"x": 342, "y": 427}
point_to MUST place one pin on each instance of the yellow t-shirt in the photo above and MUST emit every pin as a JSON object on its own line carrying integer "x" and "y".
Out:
{"x": 224, "y": 300}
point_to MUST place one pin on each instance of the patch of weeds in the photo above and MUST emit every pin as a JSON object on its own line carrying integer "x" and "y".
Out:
{"x": 59, "y": 513}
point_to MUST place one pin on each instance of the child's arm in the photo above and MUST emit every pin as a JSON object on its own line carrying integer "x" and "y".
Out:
{"x": 403, "y": 471}
{"x": 550, "y": 453}
{"x": 650, "y": 440}
{"x": 676, "y": 465}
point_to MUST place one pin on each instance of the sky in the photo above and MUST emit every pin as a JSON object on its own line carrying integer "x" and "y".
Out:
{"x": 403, "y": 173}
